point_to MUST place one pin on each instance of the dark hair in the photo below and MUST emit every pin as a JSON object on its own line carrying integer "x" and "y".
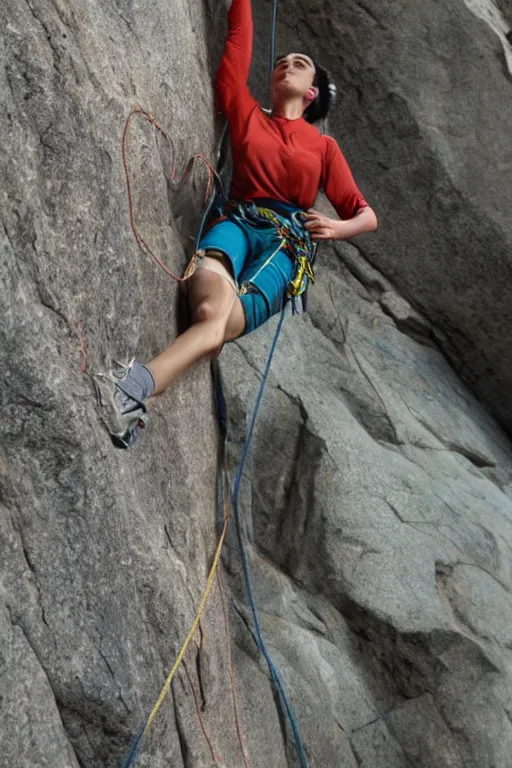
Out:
{"x": 320, "y": 106}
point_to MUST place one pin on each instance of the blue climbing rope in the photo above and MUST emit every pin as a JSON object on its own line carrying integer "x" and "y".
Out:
{"x": 222, "y": 414}
{"x": 283, "y": 699}
{"x": 216, "y": 191}
{"x": 134, "y": 750}
{"x": 272, "y": 62}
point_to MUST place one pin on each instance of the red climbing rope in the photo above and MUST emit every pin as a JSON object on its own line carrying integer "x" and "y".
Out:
{"x": 234, "y": 697}
{"x": 138, "y": 111}
{"x": 217, "y": 759}
{"x": 83, "y": 351}
{"x": 178, "y": 180}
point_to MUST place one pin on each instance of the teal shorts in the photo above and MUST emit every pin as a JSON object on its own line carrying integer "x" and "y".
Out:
{"x": 261, "y": 266}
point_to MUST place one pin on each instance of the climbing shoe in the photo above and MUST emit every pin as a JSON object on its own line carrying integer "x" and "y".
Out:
{"x": 121, "y": 394}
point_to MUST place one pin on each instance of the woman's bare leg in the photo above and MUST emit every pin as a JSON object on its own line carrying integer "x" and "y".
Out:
{"x": 217, "y": 316}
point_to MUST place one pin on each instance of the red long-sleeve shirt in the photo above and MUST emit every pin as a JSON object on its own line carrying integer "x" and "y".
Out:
{"x": 274, "y": 157}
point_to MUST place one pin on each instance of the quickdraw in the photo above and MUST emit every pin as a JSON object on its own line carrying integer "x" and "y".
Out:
{"x": 304, "y": 273}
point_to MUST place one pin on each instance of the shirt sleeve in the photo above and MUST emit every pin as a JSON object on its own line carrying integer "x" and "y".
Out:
{"x": 233, "y": 97}
{"x": 338, "y": 182}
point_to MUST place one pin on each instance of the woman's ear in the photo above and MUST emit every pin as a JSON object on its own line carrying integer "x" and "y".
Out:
{"x": 311, "y": 94}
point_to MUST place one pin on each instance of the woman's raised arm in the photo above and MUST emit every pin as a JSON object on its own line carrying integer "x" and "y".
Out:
{"x": 233, "y": 72}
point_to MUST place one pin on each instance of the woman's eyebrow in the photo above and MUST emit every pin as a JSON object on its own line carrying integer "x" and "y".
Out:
{"x": 305, "y": 59}
{"x": 298, "y": 56}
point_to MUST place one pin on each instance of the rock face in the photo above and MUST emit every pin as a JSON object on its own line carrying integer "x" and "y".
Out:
{"x": 424, "y": 113}
{"x": 377, "y": 498}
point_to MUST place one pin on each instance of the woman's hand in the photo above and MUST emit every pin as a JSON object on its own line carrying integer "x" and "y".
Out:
{"x": 320, "y": 227}
{"x": 323, "y": 228}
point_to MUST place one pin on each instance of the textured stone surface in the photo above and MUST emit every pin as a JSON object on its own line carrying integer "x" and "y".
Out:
{"x": 377, "y": 497}
{"x": 423, "y": 116}
{"x": 400, "y": 523}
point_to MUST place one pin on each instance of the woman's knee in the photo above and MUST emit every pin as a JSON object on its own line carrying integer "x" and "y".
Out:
{"x": 212, "y": 321}
{"x": 207, "y": 311}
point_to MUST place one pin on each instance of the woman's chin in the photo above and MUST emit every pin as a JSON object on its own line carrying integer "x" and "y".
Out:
{"x": 284, "y": 91}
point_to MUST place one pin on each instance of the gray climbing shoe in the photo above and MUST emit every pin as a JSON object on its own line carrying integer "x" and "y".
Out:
{"x": 122, "y": 409}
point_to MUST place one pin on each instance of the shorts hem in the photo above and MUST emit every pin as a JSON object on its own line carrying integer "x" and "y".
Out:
{"x": 223, "y": 252}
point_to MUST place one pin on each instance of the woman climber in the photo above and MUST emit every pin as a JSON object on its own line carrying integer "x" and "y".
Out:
{"x": 257, "y": 249}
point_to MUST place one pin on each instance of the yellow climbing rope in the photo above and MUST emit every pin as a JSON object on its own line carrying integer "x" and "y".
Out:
{"x": 200, "y": 610}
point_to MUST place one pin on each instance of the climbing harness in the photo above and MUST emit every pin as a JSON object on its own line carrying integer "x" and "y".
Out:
{"x": 298, "y": 245}
{"x": 295, "y": 240}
